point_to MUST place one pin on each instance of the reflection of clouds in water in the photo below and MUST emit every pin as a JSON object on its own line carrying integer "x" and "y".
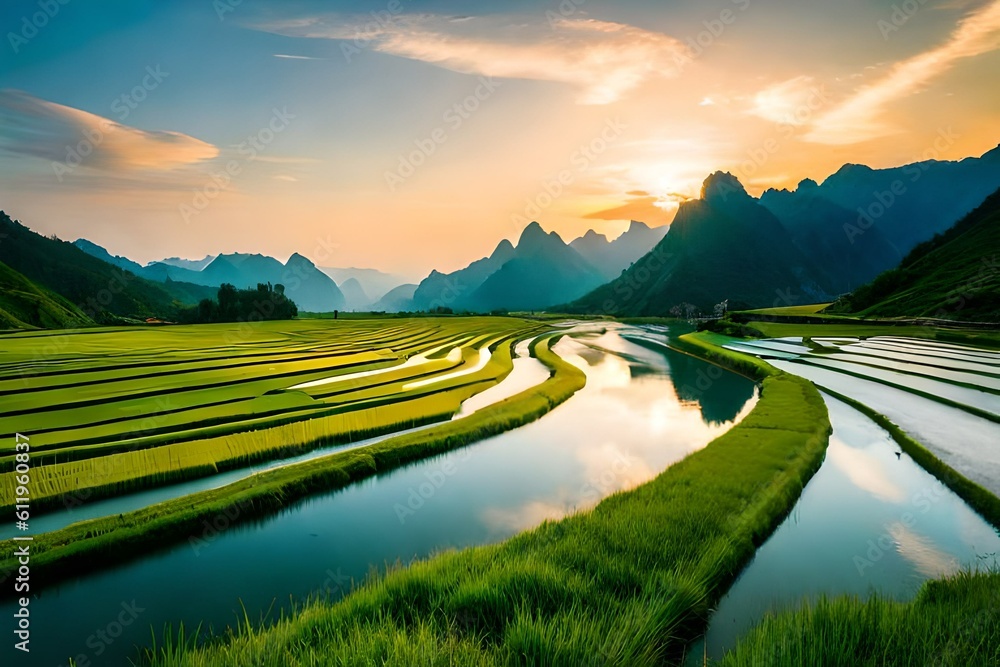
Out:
{"x": 922, "y": 553}
{"x": 635, "y": 428}
{"x": 603, "y": 370}
{"x": 864, "y": 470}
{"x": 524, "y": 517}
{"x": 608, "y": 468}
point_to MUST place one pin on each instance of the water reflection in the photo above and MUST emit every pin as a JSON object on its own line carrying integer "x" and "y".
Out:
{"x": 867, "y": 521}
{"x": 628, "y": 424}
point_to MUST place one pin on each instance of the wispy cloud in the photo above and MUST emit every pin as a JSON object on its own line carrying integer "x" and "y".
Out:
{"x": 787, "y": 102}
{"x": 860, "y": 117}
{"x": 291, "y": 57}
{"x": 37, "y": 128}
{"x": 604, "y": 60}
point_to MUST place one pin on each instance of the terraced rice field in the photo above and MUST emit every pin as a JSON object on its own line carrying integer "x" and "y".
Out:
{"x": 943, "y": 395}
{"x": 114, "y": 410}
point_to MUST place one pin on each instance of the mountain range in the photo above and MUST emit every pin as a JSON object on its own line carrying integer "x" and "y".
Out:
{"x": 58, "y": 280}
{"x": 815, "y": 243}
{"x": 955, "y": 275}
{"x": 311, "y": 289}
{"x": 789, "y": 247}
{"x": 541, "y": 270}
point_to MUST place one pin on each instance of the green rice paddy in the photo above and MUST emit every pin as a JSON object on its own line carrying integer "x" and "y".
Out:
{"x": 114, "y": 410}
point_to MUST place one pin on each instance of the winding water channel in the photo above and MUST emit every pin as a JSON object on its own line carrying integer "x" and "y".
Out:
{"x": 641, "y": 411}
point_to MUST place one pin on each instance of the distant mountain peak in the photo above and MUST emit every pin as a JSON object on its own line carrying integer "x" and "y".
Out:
{"x": 721, "y": 185}
{"x": 807, "y": 184}
{"x": 533, "y": 233}
{"x": 504, "y": 249}
{"x": 637, "y": 225}
{"x": 298, "y": 259}
{"x": 850, "y": 172}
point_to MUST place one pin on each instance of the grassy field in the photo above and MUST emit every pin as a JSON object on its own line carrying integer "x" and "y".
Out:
{"x": 627, "y": 583}
{"x": 114, "y": 410}
{"x": 810, "y": 309}
{"x": 954, "y": 622}
{"x": 105, "y": 541}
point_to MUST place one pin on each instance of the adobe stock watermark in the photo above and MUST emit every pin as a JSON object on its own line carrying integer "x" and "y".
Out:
{"x": 923, "y": 501}
{"x": 103, "y": 637}
{"x": 564, "y": 10}
{"x": 453, "y": 117}
{"x": 714, "y": 28}
{"x": 223, "y": 7}
{"x": 365, "y": 34}
{"x": 248, "y": 150}
{"x": 760, "y": 155}
{"x": 579, "y": 162}
{"x": 220, "y": 523}
{"x": 900, "y": 15}
{"x": 884, "y": 200}
{"x": 121, "y": 106}
{"x": 596, "y": 488}
{"x": 420, "y": 495}
{"x": 32, "y": 24}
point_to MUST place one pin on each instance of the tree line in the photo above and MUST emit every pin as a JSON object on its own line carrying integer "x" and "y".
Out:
{"x": 266, "y": 302}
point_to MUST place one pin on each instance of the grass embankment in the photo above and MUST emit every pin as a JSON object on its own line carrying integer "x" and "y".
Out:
{"x": 101, "y": 542}
{"x": 952, "y": 622}
{"x": 780, "y": 322}
{"x": 980, "y": 499}
{"x": 627, "y": 583}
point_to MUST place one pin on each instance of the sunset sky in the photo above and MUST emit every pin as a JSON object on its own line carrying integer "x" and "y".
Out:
{"x": 408, "y": 135}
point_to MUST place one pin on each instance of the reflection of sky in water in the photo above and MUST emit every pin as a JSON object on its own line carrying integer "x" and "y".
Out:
{"x": 962, "y": 440}
{"x": 866, "y": 521}
{"x": 628, "y": 424}
{"x": 623, "y": 428}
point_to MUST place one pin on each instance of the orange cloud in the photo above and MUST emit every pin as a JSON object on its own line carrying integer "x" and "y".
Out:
{"x": 647, "y": 209}
{"x": 69, "y": 138}
{"x": 604, "y": 60}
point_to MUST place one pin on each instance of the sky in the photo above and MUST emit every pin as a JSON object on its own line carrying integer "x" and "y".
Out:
{"x": 407, "y": 135}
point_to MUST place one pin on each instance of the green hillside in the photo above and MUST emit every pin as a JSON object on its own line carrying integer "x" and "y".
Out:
{"x": 724, "y": 246}
{"x": 24, "y": 305}
{"x": 103, "y": 292}
{"x": 955, "y": 275}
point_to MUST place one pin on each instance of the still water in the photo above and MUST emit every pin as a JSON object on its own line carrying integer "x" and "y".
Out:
{"x": 642, "y": 410}
{"x": 868, "y": 521}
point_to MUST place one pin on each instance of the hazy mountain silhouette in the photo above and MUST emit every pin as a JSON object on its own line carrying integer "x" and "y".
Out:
{"x": 310, "y": 289}
{"x": 817, "y": 226}
{"x": 913, "y": 202}
{"x": 723, "y": 246}
{"x": 542, "y": 272}
{"x": 354, "y": 295}
{"x": 440, "y": 290}
{"x": 613, "y": 257}
{"x": 192, "y": 264}
{"x": 399, "y": 299}
{"x": 375, "y": 283}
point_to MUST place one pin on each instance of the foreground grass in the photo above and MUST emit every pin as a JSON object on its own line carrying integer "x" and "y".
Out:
{"x": 628, "y": 583}
{"x": 953, "y": 622}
